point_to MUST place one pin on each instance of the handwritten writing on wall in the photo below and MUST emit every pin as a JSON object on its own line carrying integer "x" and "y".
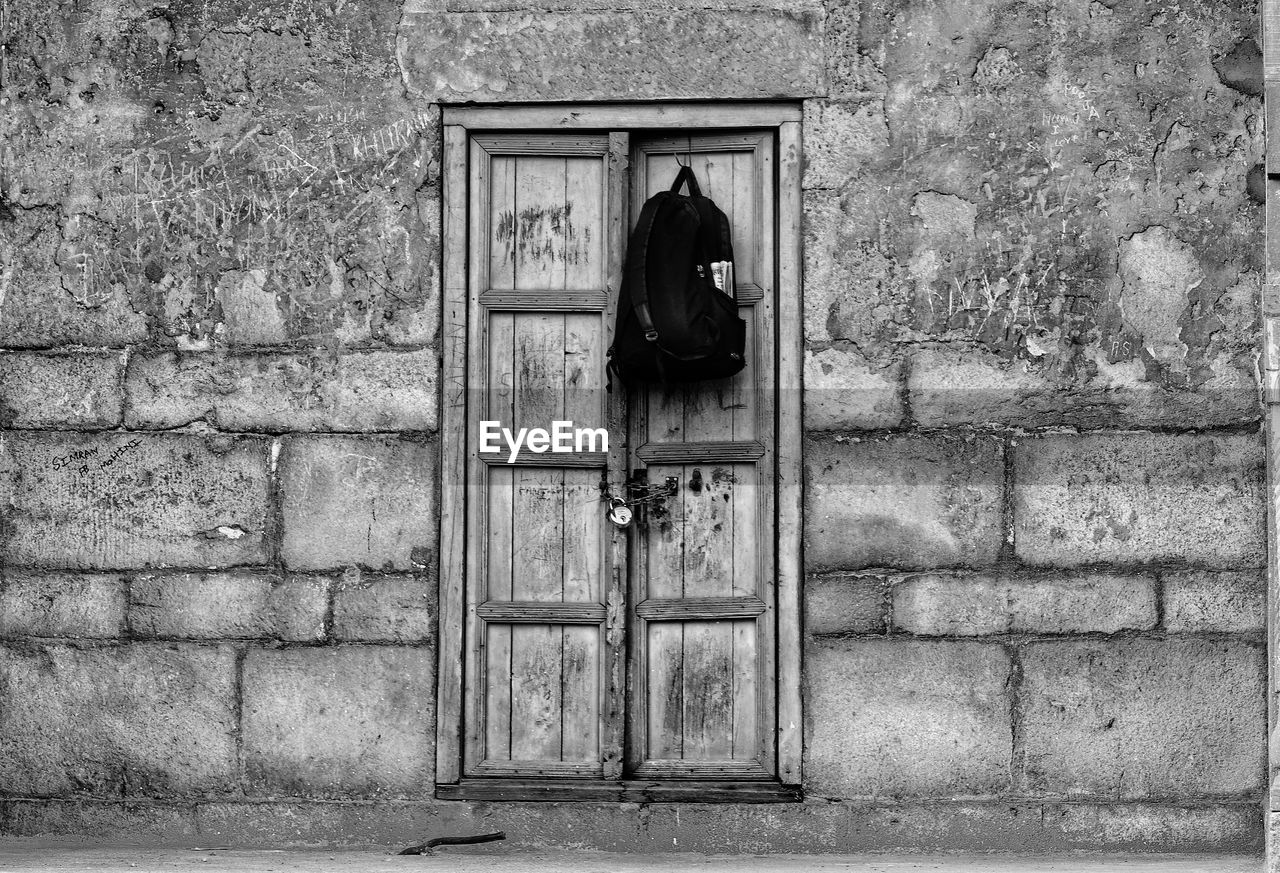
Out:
{"x": 84, "y": 460}
{"x": 189, "y": 146}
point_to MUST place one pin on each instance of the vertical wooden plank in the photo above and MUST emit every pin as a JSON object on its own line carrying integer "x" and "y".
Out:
{"x": 665, "y": 698}
{"x": 580, "y": 693}
{"x": 667, "y": 537}
{"x": 789, "y": 441}
{"x": 584, "y": 362}
{"x": 583, "y": 554}
{"x": 746, "y": 673}
{"x": 538, "y": 540}
{"x": 764, "y": 224}
{"x": 453, "y": 461}
{"x": 539, "y": 231}
{"x": 539, "y": 369}
{"x": 753, "y": 252}
{"x": 477, "y": 503}
{"x": 745, "y": 657}
{"x": 743, "y": 397}
{"x": 584, "y": 203}
{"x": 499, "y": 533}
{"x": 749, "y": 243}
{"x": 636, "y": 412}
{"x": 613, "y": 714}
{"x": 751, "y": 666}
{"x": 499, "y": 491}
{"x": 707, "y": 693}
{"x": 537, "y": 650}
{"x": 764, "y": 341}
{"x": 770, "y": 387}
{"x": 583, "y": 512}
{"x": 502, "y": 222}
{"x": 745, "y": 521}
{"x": 497, "y": 706}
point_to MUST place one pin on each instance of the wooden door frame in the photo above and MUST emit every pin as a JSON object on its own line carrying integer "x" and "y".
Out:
{"x": 460, "y": 122}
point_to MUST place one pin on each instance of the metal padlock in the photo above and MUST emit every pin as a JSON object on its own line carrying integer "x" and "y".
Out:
{"x": 619, "y": 513}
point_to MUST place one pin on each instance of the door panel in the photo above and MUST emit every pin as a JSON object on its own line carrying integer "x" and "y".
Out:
{"x": 702, "y": 564}
{"x": 546, "y": 225}
{"x": 539, "y": 554}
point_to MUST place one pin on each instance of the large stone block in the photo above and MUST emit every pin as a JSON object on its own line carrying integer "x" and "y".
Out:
{"x": 1203, "y": 601}
{"x": 120, "y": 501}
{"x": 227, "y": 606}
{"x": 50, "y": 301}
{"x": 345, "y": 721}
{"x": 76, "y": 391}
{"x": 908, "y": 501}
{"x": 359, "y": 391}
{"x": 302, "y": 605}
{"x": 1139, "y": 718}
{"x": 61, "y": 605}
{"x": 845, "y": 603}
{"x": 1140, "y": 497}
{"x": 841, "y": 140}
{"x": 970, "y": 387}
{"x": 974, "y": 605}
{"x": 142, "y": 719}
{"x": 109, "y": 823}
{"x": 359, "y": 501}
{"x": 855, "y": 289}
{"x": 384, "y": 609}
{"x": 907, "y": 718}
{"x": 843, "y": 391}
{"x": 695, "y": 54}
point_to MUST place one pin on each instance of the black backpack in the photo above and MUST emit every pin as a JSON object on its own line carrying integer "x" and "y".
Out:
{"x": 674, "y": 324}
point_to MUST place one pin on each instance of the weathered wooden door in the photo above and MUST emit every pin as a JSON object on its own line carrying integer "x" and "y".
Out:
{"x": 595, "y": 661}
{"x": 702, "y": 567}
{"x": 546, "y": 666}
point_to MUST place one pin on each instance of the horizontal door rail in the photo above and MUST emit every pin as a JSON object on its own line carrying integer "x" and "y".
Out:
{"x": 544, "y": 301}
{"x": 677, "y": 769}
{"x": 526, "y": 458}
{"x": 493, "y": 767}
{"x": 543, "y": 144}
{"x": 699, "y": 608}
{"x": 540, "y": 612}
{"x": 701, "y": 453}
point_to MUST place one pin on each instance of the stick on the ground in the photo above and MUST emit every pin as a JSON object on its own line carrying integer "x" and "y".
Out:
{"x": 426, "y": 847}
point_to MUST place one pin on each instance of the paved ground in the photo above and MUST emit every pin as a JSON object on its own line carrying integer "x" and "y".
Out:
{"x": 472, "y": 860}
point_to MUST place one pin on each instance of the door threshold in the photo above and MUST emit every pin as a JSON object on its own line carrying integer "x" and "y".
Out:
{"x": 624, "y": 791}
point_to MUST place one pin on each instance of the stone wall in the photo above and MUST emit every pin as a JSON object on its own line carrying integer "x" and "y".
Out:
{"x": 1034, "y": 509}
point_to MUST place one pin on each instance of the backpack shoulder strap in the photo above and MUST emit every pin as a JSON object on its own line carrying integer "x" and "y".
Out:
{"x": 636, "y": 257}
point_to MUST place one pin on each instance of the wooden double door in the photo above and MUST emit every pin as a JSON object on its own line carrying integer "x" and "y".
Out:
{"x": 597, "y": 655}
